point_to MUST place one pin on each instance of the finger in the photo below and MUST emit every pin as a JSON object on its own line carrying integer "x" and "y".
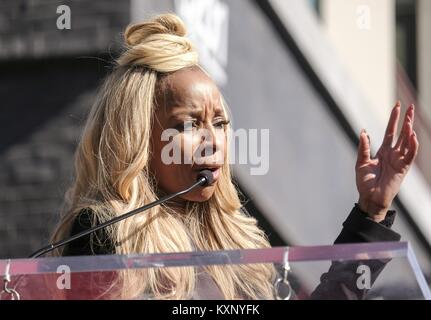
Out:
{"x": 363, "y": 149}
{"x": 413, "y": 149}
{"x": 391, "y": 129}
{"x": 412, "y": 113}
{"x": 406, "y": 141}
{"x": 404, "y": 131}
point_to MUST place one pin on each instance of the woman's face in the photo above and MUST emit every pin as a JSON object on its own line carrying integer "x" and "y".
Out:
{"x": 188, "y": 133}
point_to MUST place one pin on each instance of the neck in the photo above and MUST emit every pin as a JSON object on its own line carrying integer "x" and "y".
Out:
{"x": 177, "y": 204}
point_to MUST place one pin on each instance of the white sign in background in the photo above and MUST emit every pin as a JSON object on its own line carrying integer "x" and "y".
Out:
{"x": 207, "y": 23}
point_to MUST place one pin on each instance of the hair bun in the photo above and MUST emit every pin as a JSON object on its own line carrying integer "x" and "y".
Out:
{"x": 162, "y": 24}
{"x": 159, "y": 44}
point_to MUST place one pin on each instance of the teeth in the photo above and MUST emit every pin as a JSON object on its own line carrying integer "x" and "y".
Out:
{"x": 211, "y": 169}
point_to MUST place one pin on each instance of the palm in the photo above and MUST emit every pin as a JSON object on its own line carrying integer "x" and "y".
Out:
{"x": 379, "y": 179}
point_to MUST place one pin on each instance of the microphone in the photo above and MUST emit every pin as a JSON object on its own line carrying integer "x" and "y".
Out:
{"x": 205, "y": 178}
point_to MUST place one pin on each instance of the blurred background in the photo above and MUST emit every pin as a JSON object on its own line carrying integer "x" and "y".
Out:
{"x": 312, "y": 72}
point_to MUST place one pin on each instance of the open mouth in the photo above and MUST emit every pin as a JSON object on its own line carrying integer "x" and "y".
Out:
{"x": 211, "y": 168}
{"x": 215, "y": 171}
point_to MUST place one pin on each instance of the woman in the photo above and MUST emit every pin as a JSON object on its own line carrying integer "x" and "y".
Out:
{"x": 120, "y": 165}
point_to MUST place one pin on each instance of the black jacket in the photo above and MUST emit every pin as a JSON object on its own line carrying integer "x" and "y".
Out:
{"x": 340, "y": 282}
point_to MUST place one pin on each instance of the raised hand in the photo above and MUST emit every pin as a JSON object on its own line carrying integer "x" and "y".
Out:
{"x": 379, "y": 178}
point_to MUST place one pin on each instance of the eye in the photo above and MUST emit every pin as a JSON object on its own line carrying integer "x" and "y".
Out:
{"x": 220, "y": 124}
{"x": 187, "y": 125}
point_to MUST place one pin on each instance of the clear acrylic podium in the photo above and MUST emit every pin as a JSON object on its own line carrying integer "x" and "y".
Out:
{"x": 91, "y": 277}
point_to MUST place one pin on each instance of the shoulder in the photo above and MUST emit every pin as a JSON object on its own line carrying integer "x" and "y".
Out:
{"x": 82, "y": 221}
{"x": 90, "y": 244}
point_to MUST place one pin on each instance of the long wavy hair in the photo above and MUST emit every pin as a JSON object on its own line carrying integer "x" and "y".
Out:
{"x": 112, "y": 176}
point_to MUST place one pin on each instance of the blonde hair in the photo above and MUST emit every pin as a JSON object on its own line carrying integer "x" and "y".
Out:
{"x": 112, "y": 177}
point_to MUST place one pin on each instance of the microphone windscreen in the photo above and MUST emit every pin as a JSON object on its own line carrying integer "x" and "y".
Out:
{"x": 208, "y": 175}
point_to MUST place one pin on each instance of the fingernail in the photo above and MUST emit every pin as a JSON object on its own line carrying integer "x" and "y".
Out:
{"x": 398, "y": 104}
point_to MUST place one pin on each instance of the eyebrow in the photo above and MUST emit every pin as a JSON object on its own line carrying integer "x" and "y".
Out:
{"x": 195, "y": 112}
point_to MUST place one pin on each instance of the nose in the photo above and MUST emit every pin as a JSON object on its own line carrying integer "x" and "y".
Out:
{"x": 209, "y": 142}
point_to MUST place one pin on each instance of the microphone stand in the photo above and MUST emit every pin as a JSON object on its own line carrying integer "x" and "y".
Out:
{"x": 205, "y": 178}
